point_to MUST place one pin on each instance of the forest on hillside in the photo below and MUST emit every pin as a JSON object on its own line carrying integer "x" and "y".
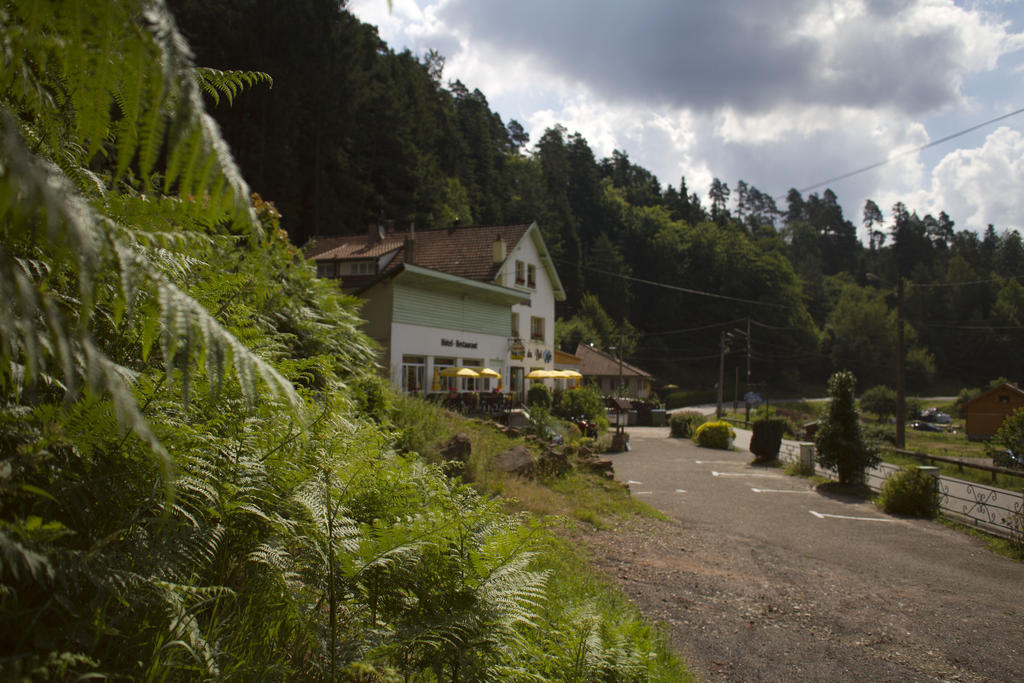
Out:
{"x": 353, "y": 132}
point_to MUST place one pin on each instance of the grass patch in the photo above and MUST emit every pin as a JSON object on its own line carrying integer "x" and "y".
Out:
{"x": 587, "y": 599}
{"x": 996, "y": 544}
{"x": 953, "y": 444}
{"x": 578, "y": 496}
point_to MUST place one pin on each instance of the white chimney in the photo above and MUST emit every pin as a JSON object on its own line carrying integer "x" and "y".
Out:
{"x": 498, "y": 251}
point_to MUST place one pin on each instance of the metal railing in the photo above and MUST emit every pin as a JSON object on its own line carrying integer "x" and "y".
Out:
{"x": 993, "y": 510}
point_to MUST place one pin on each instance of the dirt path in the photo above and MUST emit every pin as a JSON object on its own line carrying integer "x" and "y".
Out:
{"x": 758, "y": 578}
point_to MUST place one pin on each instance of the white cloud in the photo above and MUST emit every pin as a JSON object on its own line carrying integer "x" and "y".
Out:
{"x": 981, "y": 185}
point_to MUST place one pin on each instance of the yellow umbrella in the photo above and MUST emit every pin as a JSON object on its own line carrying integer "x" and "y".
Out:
{"x": 572, "y": 374}
{"x": 459, "y": 372}
{"x": 487, "y": 372}
{"x": 437, "y": 381}
{"x": 540, "y": 374}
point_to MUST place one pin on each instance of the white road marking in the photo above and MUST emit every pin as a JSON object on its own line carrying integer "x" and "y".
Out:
{"x": 631, "y": 482}
{"x": 719, "y": 462}
{"x": 745, "y": 474}
{"x": 642, "y": 493}
{"x": 680, "y": 491}
{"x": 780, "y": 490}
{"x": 823, "y": 515}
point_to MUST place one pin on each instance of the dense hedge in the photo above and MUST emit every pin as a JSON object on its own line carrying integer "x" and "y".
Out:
{"x": 682, "y": 425}
{"x": 767, "y": 438}
{"x": 715, "y": 435}
{"x": 910, "y": 491}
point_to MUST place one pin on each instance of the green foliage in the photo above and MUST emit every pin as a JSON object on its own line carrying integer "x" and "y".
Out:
{"x": 909, "y": 491}
{"x": 840, "y": 443}
{"x": 715, "y": 435}
{"x": 683, "y": 424}
{"x": 1010, "y": 435}
{"x": 879, "y": 400}
{"x": 538, "y": 395}
{"x": 585, "y": 401}
{"x": 766, "y": 438}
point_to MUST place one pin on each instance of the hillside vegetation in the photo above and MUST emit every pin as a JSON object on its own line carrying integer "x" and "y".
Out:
{"x": 198, "y": 472}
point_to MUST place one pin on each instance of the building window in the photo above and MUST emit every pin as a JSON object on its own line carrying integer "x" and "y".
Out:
{"x": 536, "y": 328}
{"x": 472, "y": 383}
{"x": 515, "y": 325}
{"x": 413, "y": 368}
{"x": 531, "y": 276}
{"x": 326, "y": 269}
{"x": 520, "y": 273}
{"x": 444, "y": 383}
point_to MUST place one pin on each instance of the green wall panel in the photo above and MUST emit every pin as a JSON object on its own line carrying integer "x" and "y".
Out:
{"x": 417, "y": 306}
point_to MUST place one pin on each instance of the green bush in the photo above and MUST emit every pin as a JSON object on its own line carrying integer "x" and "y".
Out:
{"x": 767, "y": 438}
{"x": 538, "y": 395}
{"x": 879, "y": 400}
{"x": 910, "y": 491}
{"x": 715, "y": 435}
{"x": 682, "y": 425}
{"x": 585, "y": 401}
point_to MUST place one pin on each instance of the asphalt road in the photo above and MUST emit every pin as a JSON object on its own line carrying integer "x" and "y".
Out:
{"x": 942, "y": 594}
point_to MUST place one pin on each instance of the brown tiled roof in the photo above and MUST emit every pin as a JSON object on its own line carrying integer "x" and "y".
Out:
{"x": 350, "y": 247}
{"x": 462, "y": 251}
{"x": 596, "y": 363}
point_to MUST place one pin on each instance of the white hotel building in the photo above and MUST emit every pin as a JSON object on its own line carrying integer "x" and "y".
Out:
{"x": 479, "y": 296}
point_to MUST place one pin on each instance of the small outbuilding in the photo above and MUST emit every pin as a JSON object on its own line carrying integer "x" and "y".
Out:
{"x": 985, "y": 413}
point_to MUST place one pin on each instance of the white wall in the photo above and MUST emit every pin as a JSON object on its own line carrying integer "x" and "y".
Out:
{"x": 417, "y": 340}
{"x": 542, "y": 302}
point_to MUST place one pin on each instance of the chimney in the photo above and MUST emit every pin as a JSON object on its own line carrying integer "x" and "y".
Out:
{"x": 498, "y": 251}
{"x": 375, "y": 233}
{"x": 410, "y": 245}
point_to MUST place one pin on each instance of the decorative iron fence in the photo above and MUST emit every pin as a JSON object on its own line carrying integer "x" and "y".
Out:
{"x": 993, "y": 510}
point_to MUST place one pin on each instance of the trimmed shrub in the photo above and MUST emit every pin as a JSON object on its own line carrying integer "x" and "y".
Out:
{"x": 539, "y": 395}
{"x": 682, "y": 425}
{"x": 839, "y": 440}
{"x": 909, "y": 492}
{"x": 715, "y": 435}
{"x": 767, "y": 438}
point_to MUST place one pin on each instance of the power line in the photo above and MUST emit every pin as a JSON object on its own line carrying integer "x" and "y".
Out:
{"x": 675, "y": 288}
{"x": 914, "y": 150}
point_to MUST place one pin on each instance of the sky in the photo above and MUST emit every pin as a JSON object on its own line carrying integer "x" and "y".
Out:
{"x": 777, "y": 93}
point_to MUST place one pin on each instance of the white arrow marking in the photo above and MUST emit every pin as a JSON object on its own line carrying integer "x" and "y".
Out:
{"x": 779, "y": 491}
{"x": 745, "y": 474}
{"x": 823, "y": 515}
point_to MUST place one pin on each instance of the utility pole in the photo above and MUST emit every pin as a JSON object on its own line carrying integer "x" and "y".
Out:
{"x": 721, "y": 375}
{"x": 901, "y": 386}
{"x": 748, "y": 354}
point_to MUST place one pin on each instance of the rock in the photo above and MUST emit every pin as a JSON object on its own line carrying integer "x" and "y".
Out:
{"x": 553, "y": 461}
{"x": 458, "y": 448}
{"x": 602, "y": 466}
{"x": 516, "y": 460}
